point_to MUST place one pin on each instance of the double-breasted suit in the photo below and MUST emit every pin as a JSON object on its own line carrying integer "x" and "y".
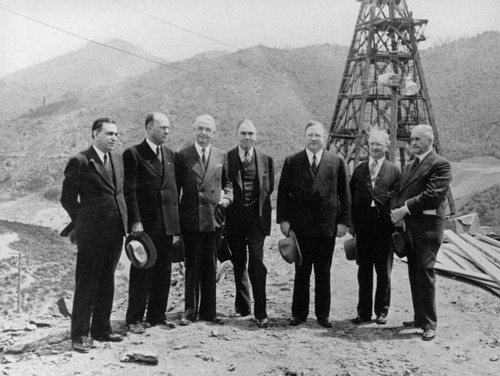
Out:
{"x": 201, "y": 217}
{"x": 373, "y": 228}
{"x": 152, "y": 199}
{"x": 313, "y": 205}
{"x": 423, "y": 189}
{"x": 248, "y": 221}
{"x": 93, "y": 198}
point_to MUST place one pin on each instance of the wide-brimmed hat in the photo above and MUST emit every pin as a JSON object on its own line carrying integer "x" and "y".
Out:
{"x": 289, "y": 249}
{"x": 178, "y": 249}
{"x": 140, "y": 250}
{"x": 401, "y": 242}
{"x": 350, "y": 249}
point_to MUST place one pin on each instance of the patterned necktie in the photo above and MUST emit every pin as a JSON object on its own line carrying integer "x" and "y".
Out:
{"x": 247, "y": 158}
{"x": 158, "y": 152}
{"x": 373, "y": 170}
{"x": 203, "y": 159}
{"x": 314, "y": 165}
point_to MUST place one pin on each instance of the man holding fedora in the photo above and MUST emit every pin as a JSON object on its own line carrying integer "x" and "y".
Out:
{"x": 152, "y": 203}
{"x": 372, "y": 184}
{"x": 92, "y": 194}
{"x": 314, "y": 201}
{"x": 420, "y": 207}
{"x": 248, "y": 220}
{"x": 205, "y": 193}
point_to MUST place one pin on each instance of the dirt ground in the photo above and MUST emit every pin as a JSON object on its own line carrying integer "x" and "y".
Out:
{"x": 467, "y": 341}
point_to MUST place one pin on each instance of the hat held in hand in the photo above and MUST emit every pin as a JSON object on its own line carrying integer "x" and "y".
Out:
{"x": 140, "y": 250}
{"x": 350, "y": 249}
{"x": 289, "y": 249}
{"x": 401, "y": 242}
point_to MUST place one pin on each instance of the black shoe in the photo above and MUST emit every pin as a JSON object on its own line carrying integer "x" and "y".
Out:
{"x": 294, "y": 321}
{"x": 136, "y": 328}
{"x": 185, "y": 322}
{"x": 411, "y": 324}
{"x": 218, "y": 321}
{"x": 81, "y": 347}
{"x": 359, "y": 320}
{"x": 381, "y": 319}
{"x": 324, "y": 323}
{"x": 428, "y": 335}
{"x": 241, "y": 314}
{"x": 168, "y": 324}
{"x": 264, "y": 323}
{"x": 111, "y": 337}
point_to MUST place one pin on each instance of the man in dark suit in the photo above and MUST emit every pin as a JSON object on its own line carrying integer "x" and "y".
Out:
{"x": 92, "y": 194}
{"x": 205, "y": 192}
{"x": 152, "y": 204}
{"x": 248, "y": 220}
{"x": 420, "y": 207}
{"x": 372, "y": 184}
{"x": 314, "y": 201}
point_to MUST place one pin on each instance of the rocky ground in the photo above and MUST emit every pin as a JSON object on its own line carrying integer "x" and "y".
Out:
{"x": 467, "y": 342}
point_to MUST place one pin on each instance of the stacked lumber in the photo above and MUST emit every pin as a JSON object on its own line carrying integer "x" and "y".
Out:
{"x": 475, "y": 258}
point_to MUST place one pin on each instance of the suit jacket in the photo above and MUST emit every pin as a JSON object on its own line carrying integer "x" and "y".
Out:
{"x": 265, "y": 176}
{"x": 201, "y": 190}
{"x": 150, "y": 189}
{"x": 314, "y": 205}
{"x": 363, "y": 193}
{"x": 424, "y": 191}
{"x": 93, "y": 199}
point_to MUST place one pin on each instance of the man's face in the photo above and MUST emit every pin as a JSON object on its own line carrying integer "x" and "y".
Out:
{"x": 420, "y": 142}
{"x": 315, "y": 136}
{"x": 105, "y": 139}
{"x": 376, "y": 148}
{"x": 247, "y": 135}
{"x": 204, "y": 134}
{"x": 158, "y": 130}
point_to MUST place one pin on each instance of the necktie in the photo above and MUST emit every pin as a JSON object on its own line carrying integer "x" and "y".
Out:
{"x": 203, "y": 159}
{"x": 158, "y": 153}
{"x": 314, "y": 165}
{"x": 416, "y": 161}
{"x": 247, "y": 158}
{"x": 373, "y": 170}
{"x": 106, "y": 162}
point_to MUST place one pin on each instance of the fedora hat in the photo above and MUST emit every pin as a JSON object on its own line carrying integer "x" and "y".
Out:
{"x": 289, "y": 249}
{"x": 140, "y": 250}
{"x": 178, "y": 249}
{"x": 223, "y": 251}
{"x": 401, "y": 242}
{"x": 350, "y": 249}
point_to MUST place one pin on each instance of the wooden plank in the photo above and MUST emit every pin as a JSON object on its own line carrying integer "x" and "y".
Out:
{"x": 488, "y": 240}
{"x": 479, "y": 277}
{"x": 490, "y": 268}
{"x": 444, "y": 259}
{"x": 460, "y": 260}
{"x": 487, "y": 251}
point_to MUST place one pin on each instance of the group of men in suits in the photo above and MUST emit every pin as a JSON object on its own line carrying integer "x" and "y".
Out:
{"x": 201, "y": 191}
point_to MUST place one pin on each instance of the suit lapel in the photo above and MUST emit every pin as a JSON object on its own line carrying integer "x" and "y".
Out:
{"x": 193, "y": 161}
{"x": 324, "y": 166}
{"x": 413, "y": 173}
{"x": 213, "y": 161}
{"x": 99, "y": 166}
{"x": 149, "y": 158}
{"x": 167, "y": 161}
{"x": 117, "y": 168}
{"x": 259, "y": 159}
{"x": 234, "y": 160}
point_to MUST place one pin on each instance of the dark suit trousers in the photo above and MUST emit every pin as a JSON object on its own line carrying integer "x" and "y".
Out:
{"x": 200, "y": 282}
{"x": 422, "y": 284}
{"x": 374, "y": 251}
{"x": 317, "y": 252}
{"x": 151, "y": 287}
{"x": 250, "y": 234}
{"x": 95, "y": 286}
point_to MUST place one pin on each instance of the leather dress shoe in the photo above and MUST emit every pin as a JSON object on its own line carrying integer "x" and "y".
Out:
{"x": 168, "y": 324}
{"x": 264, "y": 323}
{"x": 324, "y": 323}
{"x": 241, "y": 314}
{"x": 294, "y": 321}
{"x": 358, "y": 319}
{"x": 428, "y": 335}
{"x": 111, "y": 337}
{"x": 136, "y": 328}
{"x": 411, "y": 324}
{"x": 185, "y": 322}
{"x": 81, "y": 347}
{"x": 381, "y": 319}
{"x": 217, "y": 320}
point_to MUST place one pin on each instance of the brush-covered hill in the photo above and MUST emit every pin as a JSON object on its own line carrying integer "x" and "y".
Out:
{"x": 280, "y": 89}
{"x": 62, "y": 80}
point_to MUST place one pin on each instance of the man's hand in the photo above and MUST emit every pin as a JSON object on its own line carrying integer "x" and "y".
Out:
{"x": 137, "y": 229}
{"x": 401, "y": 224}
{"x": 225, "y": 202}
{"x": 398, "y": 214}
{"x": 285, "y": 228}
{"x": 341, "y": 230}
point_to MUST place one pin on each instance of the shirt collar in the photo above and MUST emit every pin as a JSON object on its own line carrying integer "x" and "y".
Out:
{"x": 310, "y": 155}
{"x": 379, "y": 161}
{"x": 199, "y": 149}
{"x": 99, "y": 153}
{"x": 241, "y": 152}
{"x": 152, "y": 145}
{"x": 422, "y": 156}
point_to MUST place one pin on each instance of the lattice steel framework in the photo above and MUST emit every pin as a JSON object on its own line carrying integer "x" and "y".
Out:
{"x": 385, "y": 41}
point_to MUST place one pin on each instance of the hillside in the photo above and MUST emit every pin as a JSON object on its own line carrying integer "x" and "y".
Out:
{"x": 59, "y": 82}
{"x": 279, "y": 89}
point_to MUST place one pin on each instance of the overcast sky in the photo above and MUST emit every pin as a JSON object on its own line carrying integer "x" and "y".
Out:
{"x": 234, "y": 24}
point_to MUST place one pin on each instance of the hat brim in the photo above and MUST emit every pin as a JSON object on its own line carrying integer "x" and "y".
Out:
{"x": 178, "y": 253}
{"x": 401, "y": 243}
{"x": 296, "y": 255}
{"x": 148, "y": 245}
{"x": 223, "y": 250}
{"x": 350, "y": 249}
